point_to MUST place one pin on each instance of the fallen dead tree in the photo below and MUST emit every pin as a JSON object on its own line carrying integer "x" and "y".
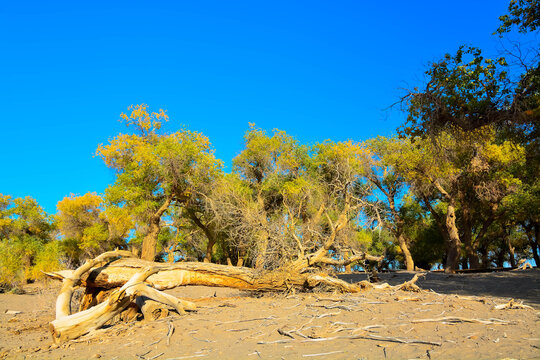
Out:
{"x": 113, "y": 286}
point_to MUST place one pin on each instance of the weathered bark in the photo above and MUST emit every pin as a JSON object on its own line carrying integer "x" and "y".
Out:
{"x": 68, "y": 327}
{"x": 151, "y": 237}
{"x": 73, "y": 278}
{"x": 454, "y": 245}
{"x": 453, "y": 242}
{"x": 151, "y": 310}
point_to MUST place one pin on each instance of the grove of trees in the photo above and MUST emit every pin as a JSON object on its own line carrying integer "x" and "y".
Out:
{"x": 457, "y": 188}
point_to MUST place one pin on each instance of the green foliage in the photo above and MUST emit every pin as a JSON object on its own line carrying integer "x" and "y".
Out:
{"x": 464, "y": 90}
{"x": 85, "y": 224}
{"x": 26, "y": 240}
{"x": 524, "y": 14}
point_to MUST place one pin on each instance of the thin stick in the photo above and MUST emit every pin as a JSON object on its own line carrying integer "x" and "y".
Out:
{"x": 275, "y": 342}
{"x": 456, "y": 320}
{"x": 169, "y": 333}
{"x": 271, "y": 317}
{"x": 376, "y": 337}
{"x": 323, "y": 354}
{"x": 343, "y": 307}
{"x": 155, "y": 357}
{"x": 188, "y": 356}
{"x": 285, "y": 333}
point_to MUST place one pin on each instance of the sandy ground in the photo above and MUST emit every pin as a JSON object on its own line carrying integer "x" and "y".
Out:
{"x": 231, "y": 324}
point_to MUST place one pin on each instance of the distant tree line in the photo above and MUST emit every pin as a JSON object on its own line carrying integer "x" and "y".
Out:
{"x": 458, "y": 187}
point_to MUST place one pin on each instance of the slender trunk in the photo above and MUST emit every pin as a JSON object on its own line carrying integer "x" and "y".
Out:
{"x": 150, "y": 240}
{"x": 348, "y": 269}
{"x": 398, "y": 231}
{"x": 511, "y": 249}
{"x": 403, "y": 244}
{"x": 500, "y": 259}
{"x": 533, "y": 241}
{"x": 454, "y": 245}
{"x": 470, "y": 250}
{"x": 485, "y": 258}
{"x": 210, "y": 235}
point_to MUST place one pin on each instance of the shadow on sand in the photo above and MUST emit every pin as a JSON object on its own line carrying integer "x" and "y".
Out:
{"x": 517, "y": 284}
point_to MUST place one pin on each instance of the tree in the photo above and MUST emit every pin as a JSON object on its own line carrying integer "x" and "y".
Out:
{"x": 287, "y": 203}
{"x": 84, "y": 221}
{"x": 156, "y": 170}
{"x": 525, "y": 14}
{"x": 382, "y": 173}
{"x": 465, "y": 172}
{"x": 27, "y": 240}
{"x": 266, "y": 163}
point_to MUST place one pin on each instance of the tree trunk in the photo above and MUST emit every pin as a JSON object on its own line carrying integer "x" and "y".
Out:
{"x": 454, "y": 245}
{"x": 533, "y": 240}
{"x": 485, "y": 258}
{"x": 150, "y": 240}
{"x": 127, "y": 281}
{"x": 409, "y": 263}
{"x": 470, "y": 250}
{"x": 511, "y": 249}
{"x": 210, "y": 235}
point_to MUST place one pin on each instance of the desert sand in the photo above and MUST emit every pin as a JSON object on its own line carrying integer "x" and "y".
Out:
{"x": 453, "y": 318}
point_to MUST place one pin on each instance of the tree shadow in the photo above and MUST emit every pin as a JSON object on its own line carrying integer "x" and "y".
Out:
{"x": 519, "y": 284}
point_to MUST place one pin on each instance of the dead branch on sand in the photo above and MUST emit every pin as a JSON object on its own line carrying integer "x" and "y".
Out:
{"x": 512, "y": 304}
{"x": 129, "y": 282}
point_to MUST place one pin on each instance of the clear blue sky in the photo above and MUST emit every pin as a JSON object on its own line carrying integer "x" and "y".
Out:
{"x": 316, "y": 69}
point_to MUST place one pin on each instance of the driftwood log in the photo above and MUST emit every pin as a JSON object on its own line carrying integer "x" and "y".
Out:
{"x": 112, "y": 287}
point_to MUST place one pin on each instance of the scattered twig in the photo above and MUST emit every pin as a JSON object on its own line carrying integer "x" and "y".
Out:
{"x": 169, "y": 333}
{"x": 155, "y": 357}
{"x": 187, "y": 357}
{"x": 512, "y": 305}
{"x": 456, "y": 320}
{"x": 325, "y": 315}
{"x": 141, "y": 356}
{"x": 376, "y": 337}
{"x": 275, "y": 342}
{"x": 285, "y": 333}
{"x": 204, "y": 340}
{"x": 237, "y": 330}
{"x": 343, "y": 307}
{"x": 323, "y": 354}
{"x": 471, "y": 298}
{"x": 271, "y": 317}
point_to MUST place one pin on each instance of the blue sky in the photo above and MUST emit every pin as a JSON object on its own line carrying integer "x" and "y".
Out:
{"x": 316, "y": 69}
